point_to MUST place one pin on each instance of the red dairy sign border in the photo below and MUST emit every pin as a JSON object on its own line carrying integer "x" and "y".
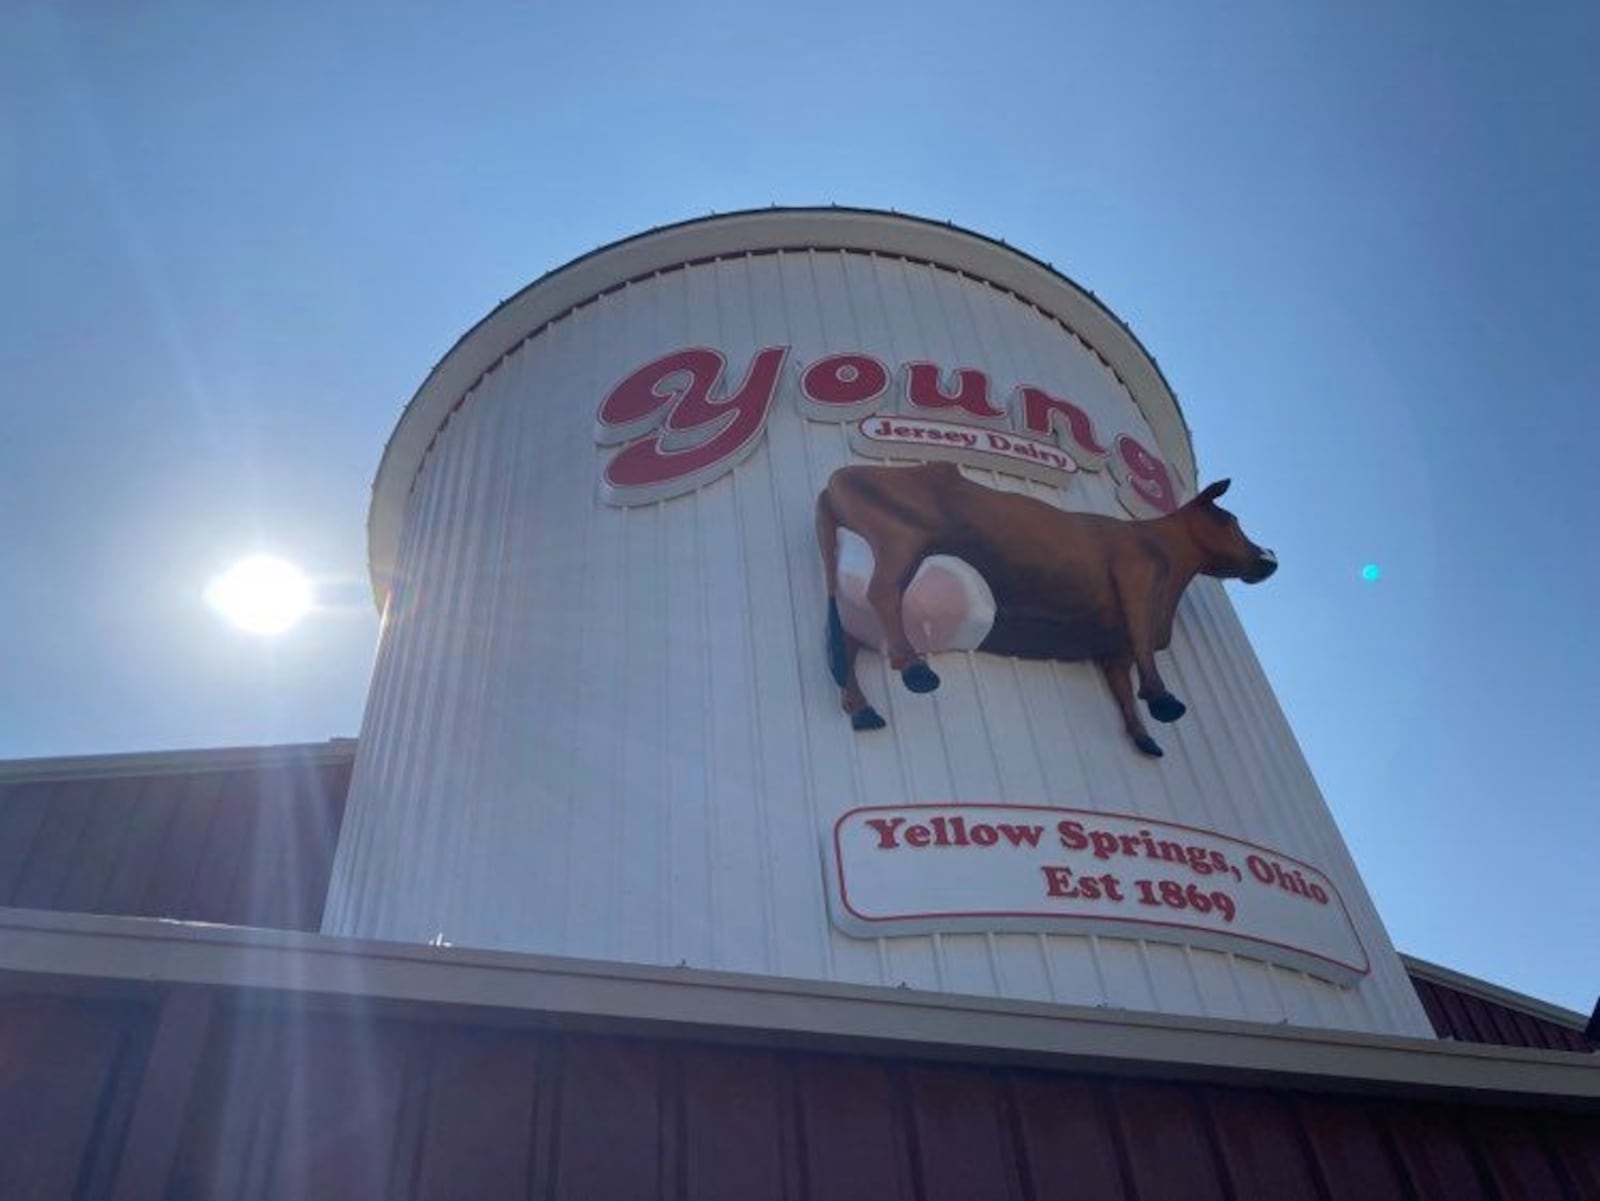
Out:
{"x": 1267, "y": 867}
{"x": 680, "y": 422}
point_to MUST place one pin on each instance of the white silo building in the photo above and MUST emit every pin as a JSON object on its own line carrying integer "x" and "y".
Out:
{"x": 603, "y": 724}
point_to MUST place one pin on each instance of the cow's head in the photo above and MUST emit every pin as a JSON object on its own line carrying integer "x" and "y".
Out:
{"x": 1224, "y": 550}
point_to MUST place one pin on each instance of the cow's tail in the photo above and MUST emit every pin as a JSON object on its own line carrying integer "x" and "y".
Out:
{"x": 828, "y": 545}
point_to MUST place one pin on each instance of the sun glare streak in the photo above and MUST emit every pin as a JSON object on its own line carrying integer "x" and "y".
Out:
{"x": 261, "y": 595}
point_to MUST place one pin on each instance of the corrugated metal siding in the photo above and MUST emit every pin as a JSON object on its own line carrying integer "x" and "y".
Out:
{"x": 1467, "y": 1017}
{"x": 245, "y": 845}
{"x": 69, "y": 1071}
{"x": 611, "y": 733}
{"x": 133, "y": 1100}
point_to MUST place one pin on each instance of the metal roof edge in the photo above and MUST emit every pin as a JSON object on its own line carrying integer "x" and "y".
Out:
{"x": 171, "y": 762}
{"x": 320, "y": 970}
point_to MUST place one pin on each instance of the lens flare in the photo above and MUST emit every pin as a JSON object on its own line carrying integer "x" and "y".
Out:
{"x": 261, "y": 595}
{"x": 1372, "y": 573}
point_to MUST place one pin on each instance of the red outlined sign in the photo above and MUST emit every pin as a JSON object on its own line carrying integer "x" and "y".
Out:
{"x": 920, "y": 869}
{"x": 923, "y": 438}
{"x": 689, "y": 417}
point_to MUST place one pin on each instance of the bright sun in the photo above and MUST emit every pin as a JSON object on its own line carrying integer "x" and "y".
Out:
{"x": 261, "y": 594}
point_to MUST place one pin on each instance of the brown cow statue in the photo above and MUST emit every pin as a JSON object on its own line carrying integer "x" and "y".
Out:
{"x": 1069, "y": 586}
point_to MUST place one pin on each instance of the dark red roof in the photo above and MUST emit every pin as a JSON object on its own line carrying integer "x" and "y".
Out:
{"x": 242, "y": 837}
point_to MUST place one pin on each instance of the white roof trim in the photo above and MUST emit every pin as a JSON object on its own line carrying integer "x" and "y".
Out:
{"x": 759, "y": 1010}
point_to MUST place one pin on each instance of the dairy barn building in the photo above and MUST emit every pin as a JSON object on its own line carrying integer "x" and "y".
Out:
{"x": 811, "y": 753}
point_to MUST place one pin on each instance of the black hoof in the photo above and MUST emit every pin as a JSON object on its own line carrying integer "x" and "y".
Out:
{"x": 919, "y": 677}
{"x": 1166, "y": 707}
{"x": 870, "y": 719}
{"x": 1148, "y": 745}
{"x": 838, "y": 661}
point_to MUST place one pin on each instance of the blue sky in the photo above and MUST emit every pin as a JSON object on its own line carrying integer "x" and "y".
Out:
{"x": 1361, "y": 239}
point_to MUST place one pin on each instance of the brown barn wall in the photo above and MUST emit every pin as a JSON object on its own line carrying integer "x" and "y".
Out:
{"x": 247, "y": 842}
{"x": 186, "y": 1095}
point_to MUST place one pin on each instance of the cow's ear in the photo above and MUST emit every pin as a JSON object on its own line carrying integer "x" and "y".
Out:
{"x": 1212, "y": 491}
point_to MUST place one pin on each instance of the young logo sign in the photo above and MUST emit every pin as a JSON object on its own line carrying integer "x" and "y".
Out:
{"x": 919, "y": 869}
{"x": 681, "y": 421}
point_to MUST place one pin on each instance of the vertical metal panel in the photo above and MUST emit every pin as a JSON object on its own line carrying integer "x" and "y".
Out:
{"x": 337, "y": 1109}
{"x": 1350, "y": 1151}
{"x": 162, "y": 1088}
{"x": 1518, "y": 1165}
{"x": 1431, "y": 1005}
{"x": 735, "y": 1130}
{"x": 278, "y": 1101}
{"x": 169, "y": 891}
{"x": 68, "y": 1070}
{"x": 851, "y": 1132}
{"x": 610, "y": 732}
{"x": 292, "y": 1105}
{"x": 1439, "y": 1160}
{"x": 476, "y": 1131}
{"x": 143, "y": 855}
{"x": 114, "y": 806}
{"x": 1169, "y": 1149}
{"x": 249, "y": 844}
{"x": 624, "y": 1085}
{"x": 964, "y": 1134}
{"x": 1574, "y": 1144}
{"x": 1261, "y": 1145}
{"x": 1066, "y": 1139}
{"x": 66, "y": 809}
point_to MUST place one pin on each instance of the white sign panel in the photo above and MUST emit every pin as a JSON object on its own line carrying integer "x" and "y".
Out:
{"x": 1004, "y": 450}
{"x": 919, "y": 869}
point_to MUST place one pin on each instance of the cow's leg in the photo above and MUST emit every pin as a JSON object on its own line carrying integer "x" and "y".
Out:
{"x": 842, "y": 649}
{"x": 892, "y": 569}
{"x": 1117, "y": 675}
{"x": 1137, "y": 589}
